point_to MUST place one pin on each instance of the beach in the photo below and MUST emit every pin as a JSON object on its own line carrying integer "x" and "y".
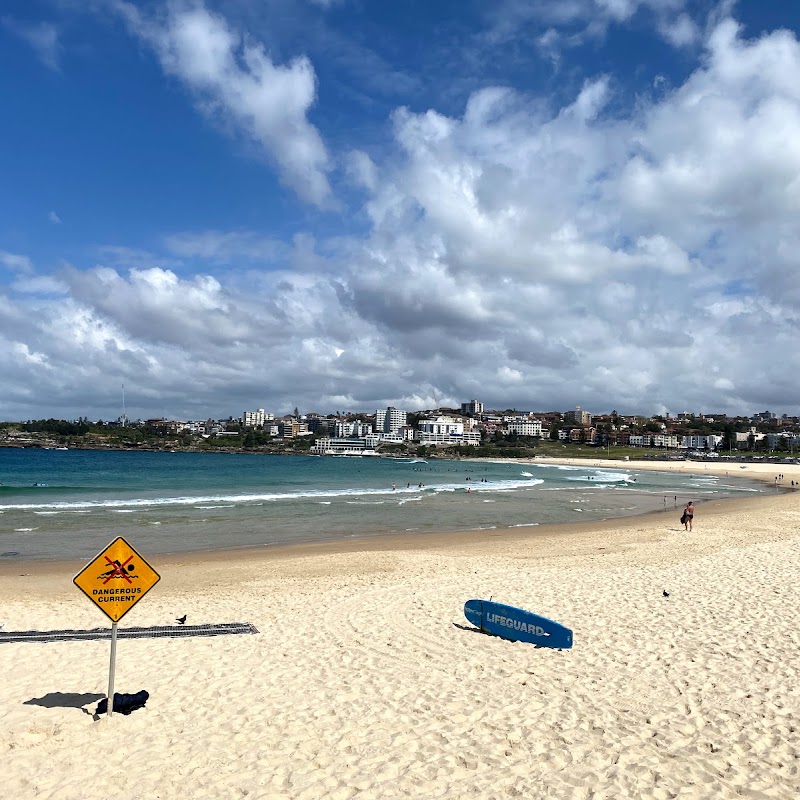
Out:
{"x": 366, "y": 680}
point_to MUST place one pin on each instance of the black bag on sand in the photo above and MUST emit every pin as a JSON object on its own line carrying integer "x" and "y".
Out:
{"x": 123, "y": 703}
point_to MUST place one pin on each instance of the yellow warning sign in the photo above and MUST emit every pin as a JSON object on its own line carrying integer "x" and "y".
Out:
{"x": 116, "y": 579}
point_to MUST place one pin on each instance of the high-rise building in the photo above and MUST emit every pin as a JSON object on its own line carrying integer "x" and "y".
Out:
{"x": 255, "y": 419}
{"x": 390, "y": 420}
{"x": 578, "y": 417}
{"x": 473, "y": 407}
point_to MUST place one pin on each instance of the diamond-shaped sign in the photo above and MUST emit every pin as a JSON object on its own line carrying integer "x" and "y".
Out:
{"x": 116, "y": 579}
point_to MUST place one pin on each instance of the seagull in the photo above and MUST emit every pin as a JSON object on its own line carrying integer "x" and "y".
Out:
{"x": 665, "y": 593}
{"x": 181, "y": 620}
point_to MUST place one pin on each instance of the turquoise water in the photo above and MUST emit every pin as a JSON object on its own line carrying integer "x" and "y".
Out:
{"x": 70, "y": 503}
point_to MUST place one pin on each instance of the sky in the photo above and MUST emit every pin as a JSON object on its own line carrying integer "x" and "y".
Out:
{"x": 341, "y": 205}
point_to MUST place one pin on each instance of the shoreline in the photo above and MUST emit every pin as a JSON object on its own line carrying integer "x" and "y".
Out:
{"x": 417, "y": 542}
{"x": 422, "y": 540}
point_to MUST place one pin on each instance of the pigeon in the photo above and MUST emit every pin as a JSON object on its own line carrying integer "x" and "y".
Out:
{"x": 665, "y": 593}
{"x": 181, "y": 620}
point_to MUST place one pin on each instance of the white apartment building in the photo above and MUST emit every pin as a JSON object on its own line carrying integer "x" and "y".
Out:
{"x": 343, "y": 429}
{"x": 528, "y": 427}
{"x": 191, "y": 427}
{"x": 743, "y": 439}
{"x": 441, "y": 425}
{"x": 472, "y": 438}
{"x": 390, "y": 420}
{"x": 663, "y": 440}
{"x": 710, "y": 442}
{"x": 349, "y": 446}
{"x": 403, "y": 434}
{"x": 256, "y": 419}
{"x": 445, "y": 431}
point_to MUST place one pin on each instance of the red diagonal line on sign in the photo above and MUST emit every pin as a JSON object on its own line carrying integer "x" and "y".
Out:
{"x": 119, "y": 570}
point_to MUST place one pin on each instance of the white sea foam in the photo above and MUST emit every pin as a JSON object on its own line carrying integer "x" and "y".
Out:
{"x": 524, "y": 525}
{"x": 208, "y": 508}
{"x": 140, "y": 503}
{"x": 24, "y": 530}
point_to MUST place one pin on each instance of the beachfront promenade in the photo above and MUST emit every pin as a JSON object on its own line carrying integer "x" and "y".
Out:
{"x": 365, "y": 681}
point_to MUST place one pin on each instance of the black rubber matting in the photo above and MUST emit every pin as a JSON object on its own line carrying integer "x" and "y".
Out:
{"x": 153, "y": 632}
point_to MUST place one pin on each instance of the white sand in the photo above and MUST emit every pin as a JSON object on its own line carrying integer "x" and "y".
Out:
{"x": 364, "y": 683}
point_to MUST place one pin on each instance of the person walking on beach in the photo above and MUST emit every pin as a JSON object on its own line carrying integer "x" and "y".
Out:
{"x": 688, "y": 515}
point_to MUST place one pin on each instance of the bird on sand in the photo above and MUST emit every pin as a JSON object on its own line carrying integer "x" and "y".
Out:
{"x": 665, "y": 593}
{"x": 181, "y": 620}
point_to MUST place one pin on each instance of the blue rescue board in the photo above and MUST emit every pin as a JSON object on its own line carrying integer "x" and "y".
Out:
{"x": 517, "y": 624}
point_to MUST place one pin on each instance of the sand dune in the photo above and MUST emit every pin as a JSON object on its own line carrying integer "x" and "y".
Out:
{"x": 366, "y": 681}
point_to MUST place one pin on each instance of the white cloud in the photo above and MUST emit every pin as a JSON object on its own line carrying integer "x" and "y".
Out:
{"x": 525, "y": 255}
{"x": 571, "y": 23}
{"x": 681, "y": 31}
{"x": 16, "y": 262}
{"x": 54, "y": 218}
{"x": 235, "y": 82}
{"x": 43, "y": 37}
{"x": 225, "y": 246}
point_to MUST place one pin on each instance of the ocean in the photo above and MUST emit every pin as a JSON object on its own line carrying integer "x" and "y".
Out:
{"x": 68, "y": 504}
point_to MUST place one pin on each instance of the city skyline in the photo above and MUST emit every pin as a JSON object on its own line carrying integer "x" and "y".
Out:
{"x": 329, "y": 204}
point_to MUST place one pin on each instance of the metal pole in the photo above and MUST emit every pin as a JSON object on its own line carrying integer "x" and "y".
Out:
{"x": 111, "y": 669}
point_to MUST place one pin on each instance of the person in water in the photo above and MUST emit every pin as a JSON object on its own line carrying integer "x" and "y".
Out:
{"x": 688, "y": 515}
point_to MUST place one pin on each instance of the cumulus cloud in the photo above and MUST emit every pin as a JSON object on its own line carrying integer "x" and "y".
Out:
{"x": 527, "y": 255}
{"x": 235, "y": 82}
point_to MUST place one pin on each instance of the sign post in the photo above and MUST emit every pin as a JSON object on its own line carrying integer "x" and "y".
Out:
{"x": 111, "y": 668}
{"x": 115, "y": 580}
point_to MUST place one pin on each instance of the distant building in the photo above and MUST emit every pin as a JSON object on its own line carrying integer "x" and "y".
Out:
{"x": 255, "y": 419}
{"x": 710, "y": 442}
{"x": 390, "y": 420}
{"x": 662, "y": 440}
{"x": 343, "y": 429}
{"x": 346, "y": 446}
{"x": 473, "y": 407}
{"x": 529, "y": 427}
{"x": 578, "y": 417}
{"x": 291, "y": 428}
{"x": 445, "y": 431}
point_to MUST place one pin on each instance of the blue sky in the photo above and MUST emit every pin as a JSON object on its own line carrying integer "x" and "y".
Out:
{"x": 344, "y": 205}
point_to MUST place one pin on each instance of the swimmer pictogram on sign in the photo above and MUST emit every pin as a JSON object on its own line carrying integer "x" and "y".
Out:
{"x": 116, "y": 579}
